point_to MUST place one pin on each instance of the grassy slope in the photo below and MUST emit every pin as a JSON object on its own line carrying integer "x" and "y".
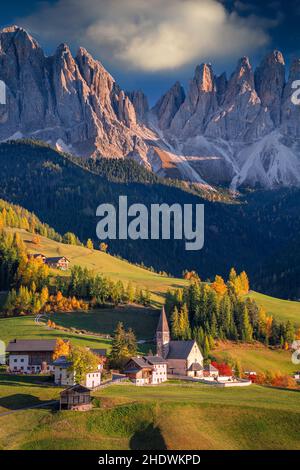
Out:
{"x": 112, "y": 267}
{"x": 26, "y": 328}
{"x": 255, "y": 357}
{"x": 174, "y": 417}
{"x": 117, "y": 269}
{"x": 142, "y": 320}
{"x": 258, "y": 358}
{"x": 280, "y": 309}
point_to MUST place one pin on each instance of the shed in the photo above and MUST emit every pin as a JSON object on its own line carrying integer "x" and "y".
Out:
{"x": 76, "y": 398}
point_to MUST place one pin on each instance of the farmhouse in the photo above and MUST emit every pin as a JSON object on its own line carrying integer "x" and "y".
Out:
{"x": 146, "y": 370}
{"x": 76, "y": 398}
{"x": 182, "y": 357}
{"x": 31, "y": 355}
{"x": 38, "y": 256}
{"x": 64, "y": 375}
{"x": 60, "y": 262}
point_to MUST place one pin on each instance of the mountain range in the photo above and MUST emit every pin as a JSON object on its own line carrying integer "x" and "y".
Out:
{"x": 241, "y": 131}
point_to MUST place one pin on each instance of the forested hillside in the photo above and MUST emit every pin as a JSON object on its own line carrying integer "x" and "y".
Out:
{"x": 253, "y": 235}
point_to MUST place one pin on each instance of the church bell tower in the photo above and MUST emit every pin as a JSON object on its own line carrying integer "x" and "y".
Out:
{"x": 162, "y": 335}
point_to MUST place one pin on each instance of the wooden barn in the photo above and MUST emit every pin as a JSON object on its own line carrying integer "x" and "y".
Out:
{"x": 77, "y": 398}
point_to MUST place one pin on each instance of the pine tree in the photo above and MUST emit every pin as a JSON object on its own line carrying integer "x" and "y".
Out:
{"x": 175, "y": 327}
{"x": 225, "y": 317}
{"x": 246, "y": 328}
{"x": 289, "y": 332}
{"x": 206, "y": 348}
{"x": 244, "y": 281}
{"x": 184, "y": 324}
{"x": 89, "y": 244}
{"x": 130, "y": 293}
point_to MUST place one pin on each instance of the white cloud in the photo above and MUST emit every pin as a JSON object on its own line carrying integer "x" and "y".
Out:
{"x": 150, "y": 35}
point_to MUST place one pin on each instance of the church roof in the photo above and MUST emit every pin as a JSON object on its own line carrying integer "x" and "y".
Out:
{"x": 180, "y": 349}
{"x": 155, "y": 360}
{"x": 163, "y": 322}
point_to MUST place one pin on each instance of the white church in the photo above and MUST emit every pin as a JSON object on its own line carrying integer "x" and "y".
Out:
{"x": 183, "y": 357}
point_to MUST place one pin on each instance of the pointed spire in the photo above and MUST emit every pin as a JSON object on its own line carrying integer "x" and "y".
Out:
{"x": 163, "y": 322}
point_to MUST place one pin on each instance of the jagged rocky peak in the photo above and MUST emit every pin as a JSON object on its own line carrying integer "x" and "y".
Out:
{"x": 140, "y": 103}
{"x": 244, "y": 130}
{"x": 168, "y": 105}
{"x": 126, "y": 111}
{"x": 18, "y": 34}
{"x": 221, "y": 85}
{"x": 204, "y": 78}
{"x": 63, "y": 57}
{"x": 200, "y": 103}
{"x": 269, "y": 83}
{"x": 92, "y": 70}
{"x": 17, "y": 42}
{"x": 96, "y": 77}
{"x": 242, "y": 80}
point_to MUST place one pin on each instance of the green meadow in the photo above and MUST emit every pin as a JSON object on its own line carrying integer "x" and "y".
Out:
{"x": 177, "y": 416}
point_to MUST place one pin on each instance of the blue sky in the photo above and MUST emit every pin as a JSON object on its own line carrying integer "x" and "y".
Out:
{"x": 151, "y": 44}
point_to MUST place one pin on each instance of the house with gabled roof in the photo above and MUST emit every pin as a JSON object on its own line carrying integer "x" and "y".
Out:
{"x": 58, "y": 262}
{"x": 31, "y": 355}
{"x": 146, "y": 370}
{"x": 64, "y": 374}
{"x": 183, "y": 357}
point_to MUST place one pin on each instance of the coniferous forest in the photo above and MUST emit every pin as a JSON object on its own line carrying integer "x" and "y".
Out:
{"x": 258, "y": 232}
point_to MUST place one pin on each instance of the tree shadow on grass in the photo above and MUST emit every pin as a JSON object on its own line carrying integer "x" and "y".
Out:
{"x": 26, "y": 380}
{"x": 149, "y": 438}
{"x": 21, "y": 400}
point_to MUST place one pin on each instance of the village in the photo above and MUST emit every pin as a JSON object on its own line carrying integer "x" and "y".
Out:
{"x": 179, "y": 359}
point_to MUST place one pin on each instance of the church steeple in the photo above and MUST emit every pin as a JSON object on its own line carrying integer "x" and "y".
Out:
{"x": 162, "y": 335}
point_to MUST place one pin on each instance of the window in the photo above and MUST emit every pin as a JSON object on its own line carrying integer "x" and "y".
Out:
{"x": 22, "y": 360}
{"x": 15, "y": 360}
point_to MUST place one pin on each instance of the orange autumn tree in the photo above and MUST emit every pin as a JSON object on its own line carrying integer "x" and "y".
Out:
{"x": 219, "y": 285}
{"x": 191, "y": 276}
{"x": 36, "y": 240}
{"x": 244, "y": 283}
{"x": 62, "y": 348}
